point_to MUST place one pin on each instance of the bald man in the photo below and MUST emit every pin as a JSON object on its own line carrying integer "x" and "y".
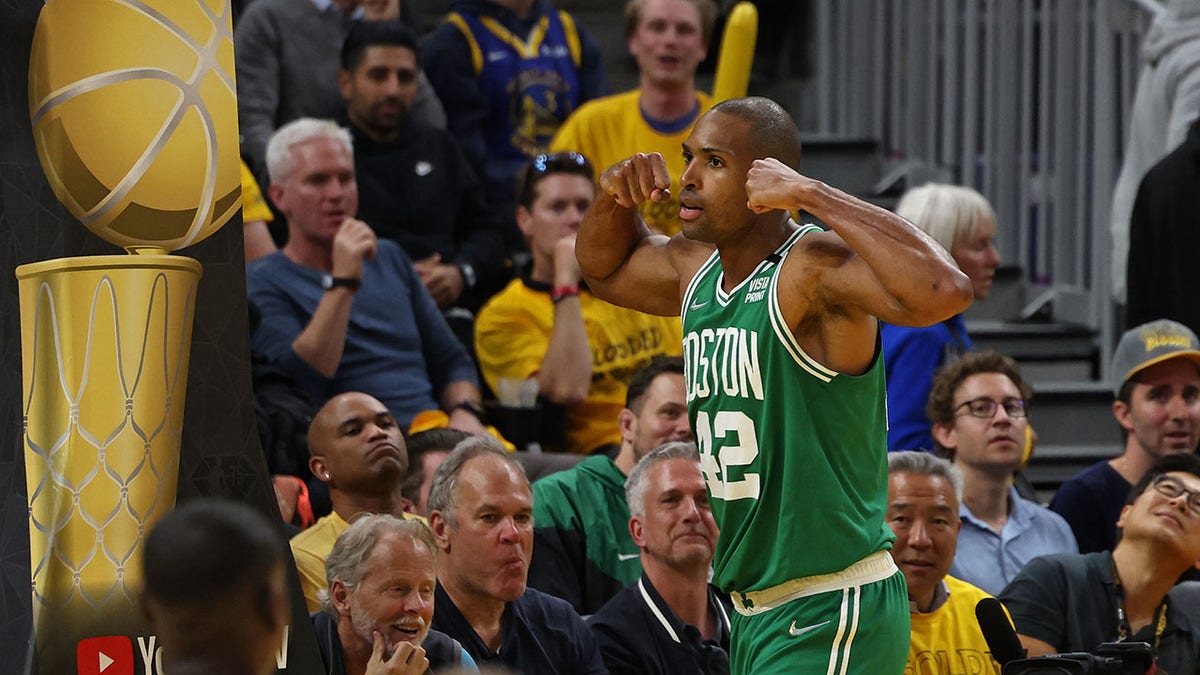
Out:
{"x": 358, "y": 451}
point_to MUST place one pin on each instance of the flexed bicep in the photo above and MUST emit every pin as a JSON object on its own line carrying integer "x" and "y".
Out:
{"x": 622, "y": 261}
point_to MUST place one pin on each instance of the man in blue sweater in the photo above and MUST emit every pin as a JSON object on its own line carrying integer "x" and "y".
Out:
{"x": 341, "y": 310}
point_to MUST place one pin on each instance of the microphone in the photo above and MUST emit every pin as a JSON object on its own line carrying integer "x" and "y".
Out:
{"x": 998, "y": 631}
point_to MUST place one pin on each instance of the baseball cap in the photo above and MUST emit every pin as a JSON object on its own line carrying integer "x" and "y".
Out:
{"x": 1151, "y": 343}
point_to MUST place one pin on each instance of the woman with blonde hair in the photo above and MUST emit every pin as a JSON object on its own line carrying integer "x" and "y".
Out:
{"x": 963, "y": 222}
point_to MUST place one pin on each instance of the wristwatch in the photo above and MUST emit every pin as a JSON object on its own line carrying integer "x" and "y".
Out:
{"x": 468, "y": 274}
{"x": 473, "y": 408}
{"x": 329, "y": 281}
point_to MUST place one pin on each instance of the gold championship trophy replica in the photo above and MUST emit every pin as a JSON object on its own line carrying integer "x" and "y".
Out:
{"x": 135, "y": 121}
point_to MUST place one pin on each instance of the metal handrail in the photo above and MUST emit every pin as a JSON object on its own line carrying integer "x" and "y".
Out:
{"x": 1027, "y": 101}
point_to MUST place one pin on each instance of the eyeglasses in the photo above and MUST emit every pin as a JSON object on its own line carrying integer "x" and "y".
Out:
{"x": 985, "y": 408}
{"x": 1171, "y": 488}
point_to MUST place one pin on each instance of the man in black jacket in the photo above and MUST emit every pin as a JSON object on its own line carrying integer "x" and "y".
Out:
{"x": 415, "y": 185}
{"x": 671, "y": 620}
{"x": 481, "y": 513}
{"x": 1163, "y": 238}
{"x": 1072, "y": 603}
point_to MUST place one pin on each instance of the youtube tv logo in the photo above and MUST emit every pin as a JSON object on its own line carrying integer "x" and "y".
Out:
{"x": 106, "y": 655}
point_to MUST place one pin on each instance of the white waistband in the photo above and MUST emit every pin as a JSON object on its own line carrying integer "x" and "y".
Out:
{"x": 875, "y": 567}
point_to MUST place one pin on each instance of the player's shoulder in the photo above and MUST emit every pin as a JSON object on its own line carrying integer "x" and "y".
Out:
{"x": 688, "y": 255}
{"x": 817, "y": 249}
{"x": 813, "y": 237}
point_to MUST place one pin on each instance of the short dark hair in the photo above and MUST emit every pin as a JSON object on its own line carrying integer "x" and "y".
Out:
{"x": 209, "y": 548}
{"x": 364, "y": 34}
{"x": 547, "y": 165}
{"x": 940, "y": 406}
{"x": 420, "y": 444}
{"x": 1183, "y": 463}
{"x": 643, "y": 378}
{"x": 774, "y": 132}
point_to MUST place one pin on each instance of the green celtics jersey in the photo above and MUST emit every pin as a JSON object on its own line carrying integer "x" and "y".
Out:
{"x": 794, "y": 453}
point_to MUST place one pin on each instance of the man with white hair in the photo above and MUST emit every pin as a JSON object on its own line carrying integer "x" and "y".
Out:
{"x": 377, "y": 611}
{"x": 341, "y": 310}
{"x": 671, "y": 620}
{"x": 964, "y": 223}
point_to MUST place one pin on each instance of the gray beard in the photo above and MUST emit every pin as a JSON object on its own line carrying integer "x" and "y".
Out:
{"x": 364, "y": 626}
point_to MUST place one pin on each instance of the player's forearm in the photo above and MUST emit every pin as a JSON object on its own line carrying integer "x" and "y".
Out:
{"x": 565, "y": 376}
{"x": 607, "y": 239}
{"x": 914, "y": 268}
{"x": 322, "y": 341}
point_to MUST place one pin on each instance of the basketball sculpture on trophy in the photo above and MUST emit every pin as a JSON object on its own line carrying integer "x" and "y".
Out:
{"x": 135, "y": 121}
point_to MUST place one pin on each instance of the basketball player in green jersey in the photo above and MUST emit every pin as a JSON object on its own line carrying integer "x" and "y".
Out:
{"x": 784, "y": 376}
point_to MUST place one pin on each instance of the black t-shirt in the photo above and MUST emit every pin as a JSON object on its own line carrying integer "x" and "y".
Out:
{"x": 1070, "y": 602}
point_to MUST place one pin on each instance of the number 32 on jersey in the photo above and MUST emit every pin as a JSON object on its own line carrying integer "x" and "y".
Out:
{"x": 738, "y": 448}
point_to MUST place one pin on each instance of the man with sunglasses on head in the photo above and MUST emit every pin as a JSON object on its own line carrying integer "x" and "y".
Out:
{"x": 1156, "y": 382}
{"x": 1072, "y": 603}
{"x": 979, "y": 409}
{"x": 547, "y": 325}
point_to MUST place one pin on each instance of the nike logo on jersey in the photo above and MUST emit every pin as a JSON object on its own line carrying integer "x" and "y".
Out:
{"x": 494, "y": 56}
{"x": 698, "y": 305}
{"x": 799, "y": 632}
{"x": 627, "y": 556}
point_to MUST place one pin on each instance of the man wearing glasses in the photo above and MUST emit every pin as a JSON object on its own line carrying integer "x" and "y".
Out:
{"x": 1071, "y": 603}
{"x": 978, "y": 406}
{"x": 1156, "y": 382}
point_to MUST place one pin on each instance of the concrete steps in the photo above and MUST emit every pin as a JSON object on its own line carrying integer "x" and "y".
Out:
{"x": 1071, "y": 410}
